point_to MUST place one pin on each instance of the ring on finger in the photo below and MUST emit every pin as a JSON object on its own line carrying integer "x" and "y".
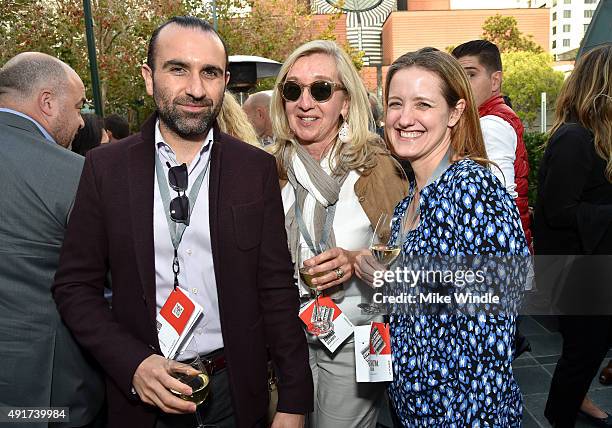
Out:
{"x": 339, "y": 273}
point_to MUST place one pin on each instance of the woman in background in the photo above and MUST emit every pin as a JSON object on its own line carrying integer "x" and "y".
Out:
{"x": 91, "y": 135}
{"x": 573, "y": 216}
{"x": 233, "y": 121}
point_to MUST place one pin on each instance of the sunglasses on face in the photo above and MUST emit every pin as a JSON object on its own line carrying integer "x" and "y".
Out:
{"x": 320, "y": 90}
{"x": 179, "y": 206}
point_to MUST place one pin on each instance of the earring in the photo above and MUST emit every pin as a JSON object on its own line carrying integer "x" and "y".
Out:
{"x": 344, "y": 133}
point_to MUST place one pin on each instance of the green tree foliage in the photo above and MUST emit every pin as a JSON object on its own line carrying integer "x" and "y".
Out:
{"x": 121, "y": 27}
{"x": 504, "y": 32}
{"x": 270, "y": 28}
{"x": 535, "y": 143}
{"x": 526, "y": 76}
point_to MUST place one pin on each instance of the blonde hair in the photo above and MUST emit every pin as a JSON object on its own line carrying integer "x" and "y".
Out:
{"x": 359, "y": 153}
{"x": 233, "y": 121}
{"x": 466, "y": 135}
{"x": 586, "y": 95}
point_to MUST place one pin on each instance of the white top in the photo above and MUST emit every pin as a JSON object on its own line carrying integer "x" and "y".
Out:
{"x": 197, "y": 274}
{"x": 500, "y": 142}
{"x": 352, "y": 230}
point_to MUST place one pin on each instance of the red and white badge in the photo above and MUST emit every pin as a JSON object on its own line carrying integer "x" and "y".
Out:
{"x": 342, "y": 327}
{"x": 175, "y": 321}
{"x": 373, "y": 353}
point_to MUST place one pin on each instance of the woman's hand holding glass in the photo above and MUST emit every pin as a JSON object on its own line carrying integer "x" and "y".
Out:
{"x": 333, "y": 267}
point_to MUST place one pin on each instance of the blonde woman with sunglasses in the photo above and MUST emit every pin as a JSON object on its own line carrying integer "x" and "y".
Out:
{"x": 333, "y": 171}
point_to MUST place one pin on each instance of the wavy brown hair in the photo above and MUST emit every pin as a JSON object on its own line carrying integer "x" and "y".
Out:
{"x": 586, "y": 96}
{"x": 466, "y": 135}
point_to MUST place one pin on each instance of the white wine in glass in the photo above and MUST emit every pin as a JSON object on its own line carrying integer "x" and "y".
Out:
{"x": 384, "y": 250}
{"x": 385, "y": 254}
{"x": 319, "y": 325}
{"x": 188, "y": 368}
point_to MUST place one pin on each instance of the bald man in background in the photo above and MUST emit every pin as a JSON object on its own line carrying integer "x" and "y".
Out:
{"x": 257, "y": 108}
{"x": 40, "y": 363}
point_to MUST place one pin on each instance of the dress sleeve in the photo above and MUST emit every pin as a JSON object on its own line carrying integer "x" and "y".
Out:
{"x": 488, "y": 223}
{"x": 487, "y": 218}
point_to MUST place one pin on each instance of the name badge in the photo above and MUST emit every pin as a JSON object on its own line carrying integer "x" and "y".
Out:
{"x": 342, "y": 327}
{"x": 373, "y": 353}
{"x": 175, "y": 322}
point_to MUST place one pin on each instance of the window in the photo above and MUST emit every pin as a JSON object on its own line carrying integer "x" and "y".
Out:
{"x": 590, "y": 1}
{"x": 554, "y": 16}
{"x": 588, "y": 13}
{"x": 567, "y": 28}
{"x": 554, "y": 3}
{"x": 567, "y": 13}
{"x": 554, "y": 30}
{"x": 554, "y": 45}
{"x": 566, "y": 43}
{"x": 586, "y": 27}
{"x": 567, "y": 1}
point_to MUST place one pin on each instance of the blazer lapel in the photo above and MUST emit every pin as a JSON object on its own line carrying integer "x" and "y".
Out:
{"x": 213, "y": 199}
{"x": 141, "y": 170}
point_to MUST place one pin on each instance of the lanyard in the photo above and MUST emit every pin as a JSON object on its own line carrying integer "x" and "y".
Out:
{"x": 442, "y": 166}
{"x": 330, "y": 212}
{"x": 177, "y": 229}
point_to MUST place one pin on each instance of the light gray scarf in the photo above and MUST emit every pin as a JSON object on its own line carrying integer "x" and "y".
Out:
{"x": 307, "y": 177}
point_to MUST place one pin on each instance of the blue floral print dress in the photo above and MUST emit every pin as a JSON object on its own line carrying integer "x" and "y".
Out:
{"x": 452, "y": 369}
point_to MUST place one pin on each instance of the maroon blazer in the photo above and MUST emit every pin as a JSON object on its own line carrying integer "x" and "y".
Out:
{"x": 111, "y": 228}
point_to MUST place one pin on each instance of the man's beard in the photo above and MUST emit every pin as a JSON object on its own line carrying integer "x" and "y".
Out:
{"x": 182, "y": 123}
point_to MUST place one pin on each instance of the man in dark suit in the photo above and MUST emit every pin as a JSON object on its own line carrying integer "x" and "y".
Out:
{"x": 232, "y": 258}
{"x": 40, "y": 363}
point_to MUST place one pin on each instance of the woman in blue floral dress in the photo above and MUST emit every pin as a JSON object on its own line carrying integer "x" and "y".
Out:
{"x": 452, "y": 368}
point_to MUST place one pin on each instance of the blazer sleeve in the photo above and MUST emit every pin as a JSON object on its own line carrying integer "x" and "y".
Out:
{"x": 279, "y": 301}
{"x": 79, "y": 288}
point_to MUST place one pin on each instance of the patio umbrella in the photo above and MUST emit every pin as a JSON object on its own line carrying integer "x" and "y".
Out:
{"x": 600, "y": 29}
{"x": 246, "y": 70}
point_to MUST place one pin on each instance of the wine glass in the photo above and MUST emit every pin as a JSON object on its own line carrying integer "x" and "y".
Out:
{"x": 188, "y": 368}
{"x": 384, "y": 250}
{"x": 319, "y": 324}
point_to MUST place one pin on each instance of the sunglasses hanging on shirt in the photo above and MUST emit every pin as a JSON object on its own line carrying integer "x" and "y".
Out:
{"x": 320, "y": 90}
{"x": 179, "y": 206}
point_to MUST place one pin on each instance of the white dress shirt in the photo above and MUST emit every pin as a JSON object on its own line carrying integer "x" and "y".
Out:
{"x": 197, "y": 275}
{"x": 500, "y": 142}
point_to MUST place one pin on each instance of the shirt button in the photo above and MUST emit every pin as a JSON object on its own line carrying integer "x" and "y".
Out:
{"x": 194, "y": 290}
{"x": 189, "y": 251}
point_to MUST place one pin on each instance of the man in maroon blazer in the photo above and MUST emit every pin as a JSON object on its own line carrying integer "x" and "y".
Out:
{"x": 232, "y": 258}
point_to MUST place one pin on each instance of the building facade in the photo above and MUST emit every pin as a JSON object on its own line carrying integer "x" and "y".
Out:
{"x": 569, "y": 20}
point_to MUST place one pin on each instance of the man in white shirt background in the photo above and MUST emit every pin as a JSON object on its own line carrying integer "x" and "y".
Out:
{"x": 501, "y": 127}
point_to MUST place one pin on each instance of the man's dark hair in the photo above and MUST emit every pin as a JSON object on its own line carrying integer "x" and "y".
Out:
{"x": 486, "y": 52}
{"x": 117, "y": 125}
{"x": 185, "y": 22}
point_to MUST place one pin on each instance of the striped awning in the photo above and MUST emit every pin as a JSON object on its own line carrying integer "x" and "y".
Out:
{"x": 364, "y": 19}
